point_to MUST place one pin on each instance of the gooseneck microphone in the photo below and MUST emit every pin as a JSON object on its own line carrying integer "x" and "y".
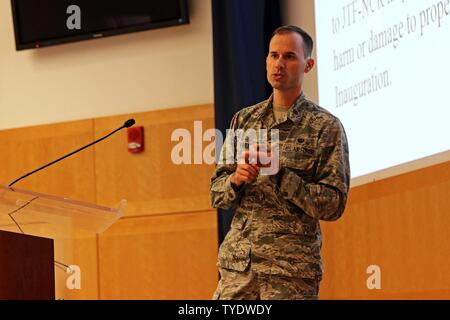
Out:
{"x": 126, "y": 124}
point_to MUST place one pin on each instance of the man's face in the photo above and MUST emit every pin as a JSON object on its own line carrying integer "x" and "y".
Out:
{"x": 286, "y": 63}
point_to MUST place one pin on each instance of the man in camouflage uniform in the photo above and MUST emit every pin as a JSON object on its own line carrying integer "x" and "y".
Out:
{"x": 272, "y": 250}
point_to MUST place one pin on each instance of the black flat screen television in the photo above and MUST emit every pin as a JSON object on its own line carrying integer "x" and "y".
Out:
{"x": 39, "y": 23}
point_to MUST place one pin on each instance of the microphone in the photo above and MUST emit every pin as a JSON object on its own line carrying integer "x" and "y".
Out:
{"x": 126, "y": 124}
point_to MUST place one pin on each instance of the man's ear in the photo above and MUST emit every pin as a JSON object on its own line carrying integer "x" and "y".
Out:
{"x": 309, "y": 65}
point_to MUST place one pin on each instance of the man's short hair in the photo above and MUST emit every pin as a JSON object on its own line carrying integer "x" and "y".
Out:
{"x": 307, "y": 40}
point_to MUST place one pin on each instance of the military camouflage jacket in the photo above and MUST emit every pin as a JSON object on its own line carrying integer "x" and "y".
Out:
{"x": 276, "y": 227}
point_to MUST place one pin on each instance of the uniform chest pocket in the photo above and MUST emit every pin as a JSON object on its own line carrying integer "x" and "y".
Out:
{"x": 299, "y": 155}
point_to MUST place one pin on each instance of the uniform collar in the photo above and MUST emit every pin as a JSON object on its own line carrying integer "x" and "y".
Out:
{"x": 294, "y": 113}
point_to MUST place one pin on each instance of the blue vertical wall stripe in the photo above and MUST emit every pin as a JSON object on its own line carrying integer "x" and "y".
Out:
{"x": 241, "y": 35}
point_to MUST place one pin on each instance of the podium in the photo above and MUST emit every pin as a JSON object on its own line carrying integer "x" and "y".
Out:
{"x": 32, "y": 226}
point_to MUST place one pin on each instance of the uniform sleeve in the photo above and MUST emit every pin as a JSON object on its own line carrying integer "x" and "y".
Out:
{"x": 325, "y": 197}
{"x": 223, "y": 194}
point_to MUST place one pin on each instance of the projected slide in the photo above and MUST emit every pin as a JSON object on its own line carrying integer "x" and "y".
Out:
{"x": 384, "y": 70}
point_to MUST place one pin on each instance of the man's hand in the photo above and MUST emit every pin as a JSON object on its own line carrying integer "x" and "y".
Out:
{"x": 245, "y": 173}
{"x": 267, "y": 158}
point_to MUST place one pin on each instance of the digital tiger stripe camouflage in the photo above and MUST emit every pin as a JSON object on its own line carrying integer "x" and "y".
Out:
{"x": 276, "y": 229}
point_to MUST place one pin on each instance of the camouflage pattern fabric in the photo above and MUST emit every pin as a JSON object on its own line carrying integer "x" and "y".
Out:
{"x": 249, "y": 285}
{"x": 276, "y": 229}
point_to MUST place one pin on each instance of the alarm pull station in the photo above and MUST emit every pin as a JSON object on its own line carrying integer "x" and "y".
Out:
{"x": 136, "y": 139}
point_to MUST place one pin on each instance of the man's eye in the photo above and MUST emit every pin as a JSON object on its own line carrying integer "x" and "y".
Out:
{"x": 290, "y": 56}
{"x": 274, "y": 55}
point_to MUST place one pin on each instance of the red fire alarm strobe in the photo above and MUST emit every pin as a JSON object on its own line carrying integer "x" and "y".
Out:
{"x": 136, "y": 139}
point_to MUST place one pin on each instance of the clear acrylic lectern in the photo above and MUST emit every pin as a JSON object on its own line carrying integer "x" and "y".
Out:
{"x": 28, "y": 221}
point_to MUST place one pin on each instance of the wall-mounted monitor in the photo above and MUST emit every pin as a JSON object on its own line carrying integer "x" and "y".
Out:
{"x": 39, "y": 23}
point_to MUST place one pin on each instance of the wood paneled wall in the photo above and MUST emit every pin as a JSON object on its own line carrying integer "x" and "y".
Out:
{"x": 401, "y": 225}
{"x": 166, "y": 245}
{"x": 169, "y": 256}
{"x": 26, "y": 149}
{"x": 150, "y": 181}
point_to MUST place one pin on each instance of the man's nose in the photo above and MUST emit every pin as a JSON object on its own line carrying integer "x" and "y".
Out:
{"x": 280, "y": 63}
